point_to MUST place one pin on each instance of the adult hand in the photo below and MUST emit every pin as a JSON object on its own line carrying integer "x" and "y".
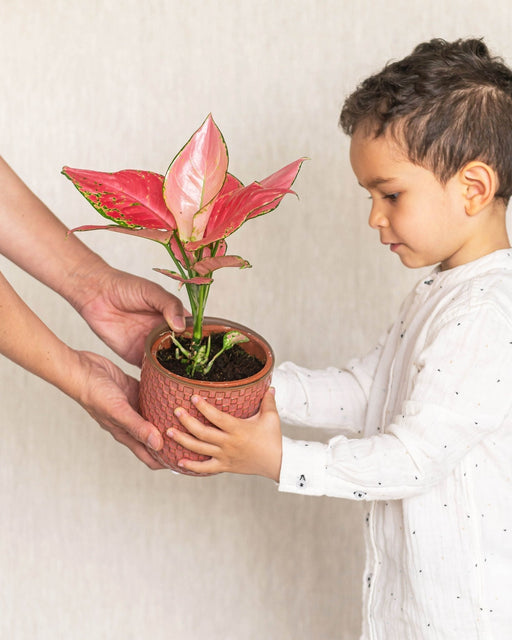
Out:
{"x": 108, "y": 394}
{"x": 111, "y": 398}
{"x": 122, "y": 309}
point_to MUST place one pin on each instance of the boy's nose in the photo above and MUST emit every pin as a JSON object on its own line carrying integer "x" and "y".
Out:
{"x": 377, "y": 218}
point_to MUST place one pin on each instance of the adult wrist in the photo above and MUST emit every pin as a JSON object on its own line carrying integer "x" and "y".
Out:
{"x": 67, "y": 373}
{"x": 84, "y": 281}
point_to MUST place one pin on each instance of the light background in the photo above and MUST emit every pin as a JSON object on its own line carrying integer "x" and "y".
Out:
{"x": 93, "y": 545}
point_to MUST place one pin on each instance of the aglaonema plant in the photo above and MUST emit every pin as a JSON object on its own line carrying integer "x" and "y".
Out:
{"x": 190, "y": 211}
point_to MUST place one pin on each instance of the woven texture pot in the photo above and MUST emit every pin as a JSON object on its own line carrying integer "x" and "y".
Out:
{"x": 162, "y": 391}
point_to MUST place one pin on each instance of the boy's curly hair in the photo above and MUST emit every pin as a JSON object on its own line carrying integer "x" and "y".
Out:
{"x": 446, "y": 104}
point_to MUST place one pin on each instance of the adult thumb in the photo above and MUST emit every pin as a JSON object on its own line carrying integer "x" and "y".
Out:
{"x": 268, "y": 402}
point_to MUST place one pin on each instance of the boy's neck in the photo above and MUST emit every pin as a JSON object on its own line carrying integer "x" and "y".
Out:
{"x": 488, "y": 234}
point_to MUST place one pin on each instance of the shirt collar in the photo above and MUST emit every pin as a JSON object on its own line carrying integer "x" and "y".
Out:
{"x": 501, "y": 259}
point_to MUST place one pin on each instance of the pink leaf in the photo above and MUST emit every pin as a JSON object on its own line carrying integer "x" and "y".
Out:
{"x": 130, "y": 198}
{"x": 231, "y": 210}
{"x": 207, "y": 265}
{"x": 201, "y": 219}
{"x": 150, "y": 234}
{"x": 230, "y": 184}
{"x": 177, "y": 276}
{"x": 221, "y": 250}
{"x": 194, "y": 179}
{"x": 176, "y": 252}
{"x": 190, "y": 255}
{"x": 281, "y": 179}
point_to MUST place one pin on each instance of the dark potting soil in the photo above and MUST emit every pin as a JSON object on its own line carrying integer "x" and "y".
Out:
{"x": 234, "y": 364}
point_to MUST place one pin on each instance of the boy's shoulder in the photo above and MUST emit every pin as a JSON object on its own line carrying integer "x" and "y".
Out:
{"x": 485, "y": 287}
{"x": 469, "y": 292}
{"x": 492, "y": 289}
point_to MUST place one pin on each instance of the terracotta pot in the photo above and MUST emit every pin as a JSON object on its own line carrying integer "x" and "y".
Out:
{"x": 162, "y": 391}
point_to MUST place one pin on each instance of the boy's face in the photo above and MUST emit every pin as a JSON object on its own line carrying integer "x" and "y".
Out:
{"x": 421, "y": 220}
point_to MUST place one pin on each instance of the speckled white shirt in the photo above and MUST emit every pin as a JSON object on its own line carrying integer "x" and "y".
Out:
{"x": 425, "y": 424}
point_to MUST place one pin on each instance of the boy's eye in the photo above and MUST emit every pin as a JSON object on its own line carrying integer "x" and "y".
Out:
{"x": 390, "y": 196}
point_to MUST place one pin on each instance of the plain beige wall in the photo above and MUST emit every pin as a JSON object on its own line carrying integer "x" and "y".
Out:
{"x": 93, "y": 545}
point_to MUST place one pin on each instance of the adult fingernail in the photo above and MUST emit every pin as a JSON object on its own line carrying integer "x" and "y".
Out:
{"x": 154, "y": 441}
{"x": 179, "y": 323}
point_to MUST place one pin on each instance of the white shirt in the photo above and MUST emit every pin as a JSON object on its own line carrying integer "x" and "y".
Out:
{"x": 428, "y": 415}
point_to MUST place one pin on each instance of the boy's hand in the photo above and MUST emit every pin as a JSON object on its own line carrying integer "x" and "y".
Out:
{"x": 252, "y": 446}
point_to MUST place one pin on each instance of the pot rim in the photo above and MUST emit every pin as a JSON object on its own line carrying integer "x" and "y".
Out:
{"x": 158, "y": 333}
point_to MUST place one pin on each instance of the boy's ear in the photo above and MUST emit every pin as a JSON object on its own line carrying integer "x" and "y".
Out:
{"x": 479, "y": 182}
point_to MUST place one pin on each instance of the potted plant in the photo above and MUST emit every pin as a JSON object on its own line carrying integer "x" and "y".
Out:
{"x": 191, "y": 211}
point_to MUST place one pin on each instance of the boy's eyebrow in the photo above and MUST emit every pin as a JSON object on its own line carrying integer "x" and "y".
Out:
{"x": 376, "y": 182}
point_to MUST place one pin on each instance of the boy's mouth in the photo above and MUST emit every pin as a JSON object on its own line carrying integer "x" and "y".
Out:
{"x": 393, "y": 246}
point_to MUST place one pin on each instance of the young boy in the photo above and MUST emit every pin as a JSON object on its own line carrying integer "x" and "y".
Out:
{"x": 425, "y": 420}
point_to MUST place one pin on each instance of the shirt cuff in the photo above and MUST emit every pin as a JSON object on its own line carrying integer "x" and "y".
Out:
{"x": 303, "y": 467}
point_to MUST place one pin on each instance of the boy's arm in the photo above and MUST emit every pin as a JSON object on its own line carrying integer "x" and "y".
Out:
{"x": 460, "y": 396}
{"x": 331, "y": 398}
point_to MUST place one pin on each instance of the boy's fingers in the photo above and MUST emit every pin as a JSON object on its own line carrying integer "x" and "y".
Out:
{"x": 198, "y": 428}
{"x": 222, "y": 419}
{"x": 191, "y": 443}
{"x": 217, "y": 417}
{"x": 209, "y": 467}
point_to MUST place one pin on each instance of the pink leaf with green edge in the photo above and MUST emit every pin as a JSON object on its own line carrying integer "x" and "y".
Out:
{"x": 230, "y": 184}
{"x": 130, "y": 198}
{"x": 230, "y": 211}
{"x": 177, "y": 253}
{"x": 191, "y": 257}
{"x": 194, "y": 179}
{"x": 221, "y": 249}
{"x": 200, "y": 219}
{"x": 177, "y": 276}
{"x": 162, "y": 237}
{"x": 281, "y": 179}
{"x": 207, "y": 265}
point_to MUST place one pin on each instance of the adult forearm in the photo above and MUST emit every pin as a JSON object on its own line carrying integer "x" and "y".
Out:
{"x": 37, "y": 241}
{"x": 101, "y": 388}
{"x": 27, "y": 341}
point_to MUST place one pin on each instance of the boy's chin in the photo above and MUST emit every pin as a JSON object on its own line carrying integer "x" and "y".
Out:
{"x": 415, "y": 262}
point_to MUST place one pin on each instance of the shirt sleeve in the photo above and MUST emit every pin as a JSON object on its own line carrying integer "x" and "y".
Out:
{"x": 461, "y": 392}
{"x": 326, "y": 398}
